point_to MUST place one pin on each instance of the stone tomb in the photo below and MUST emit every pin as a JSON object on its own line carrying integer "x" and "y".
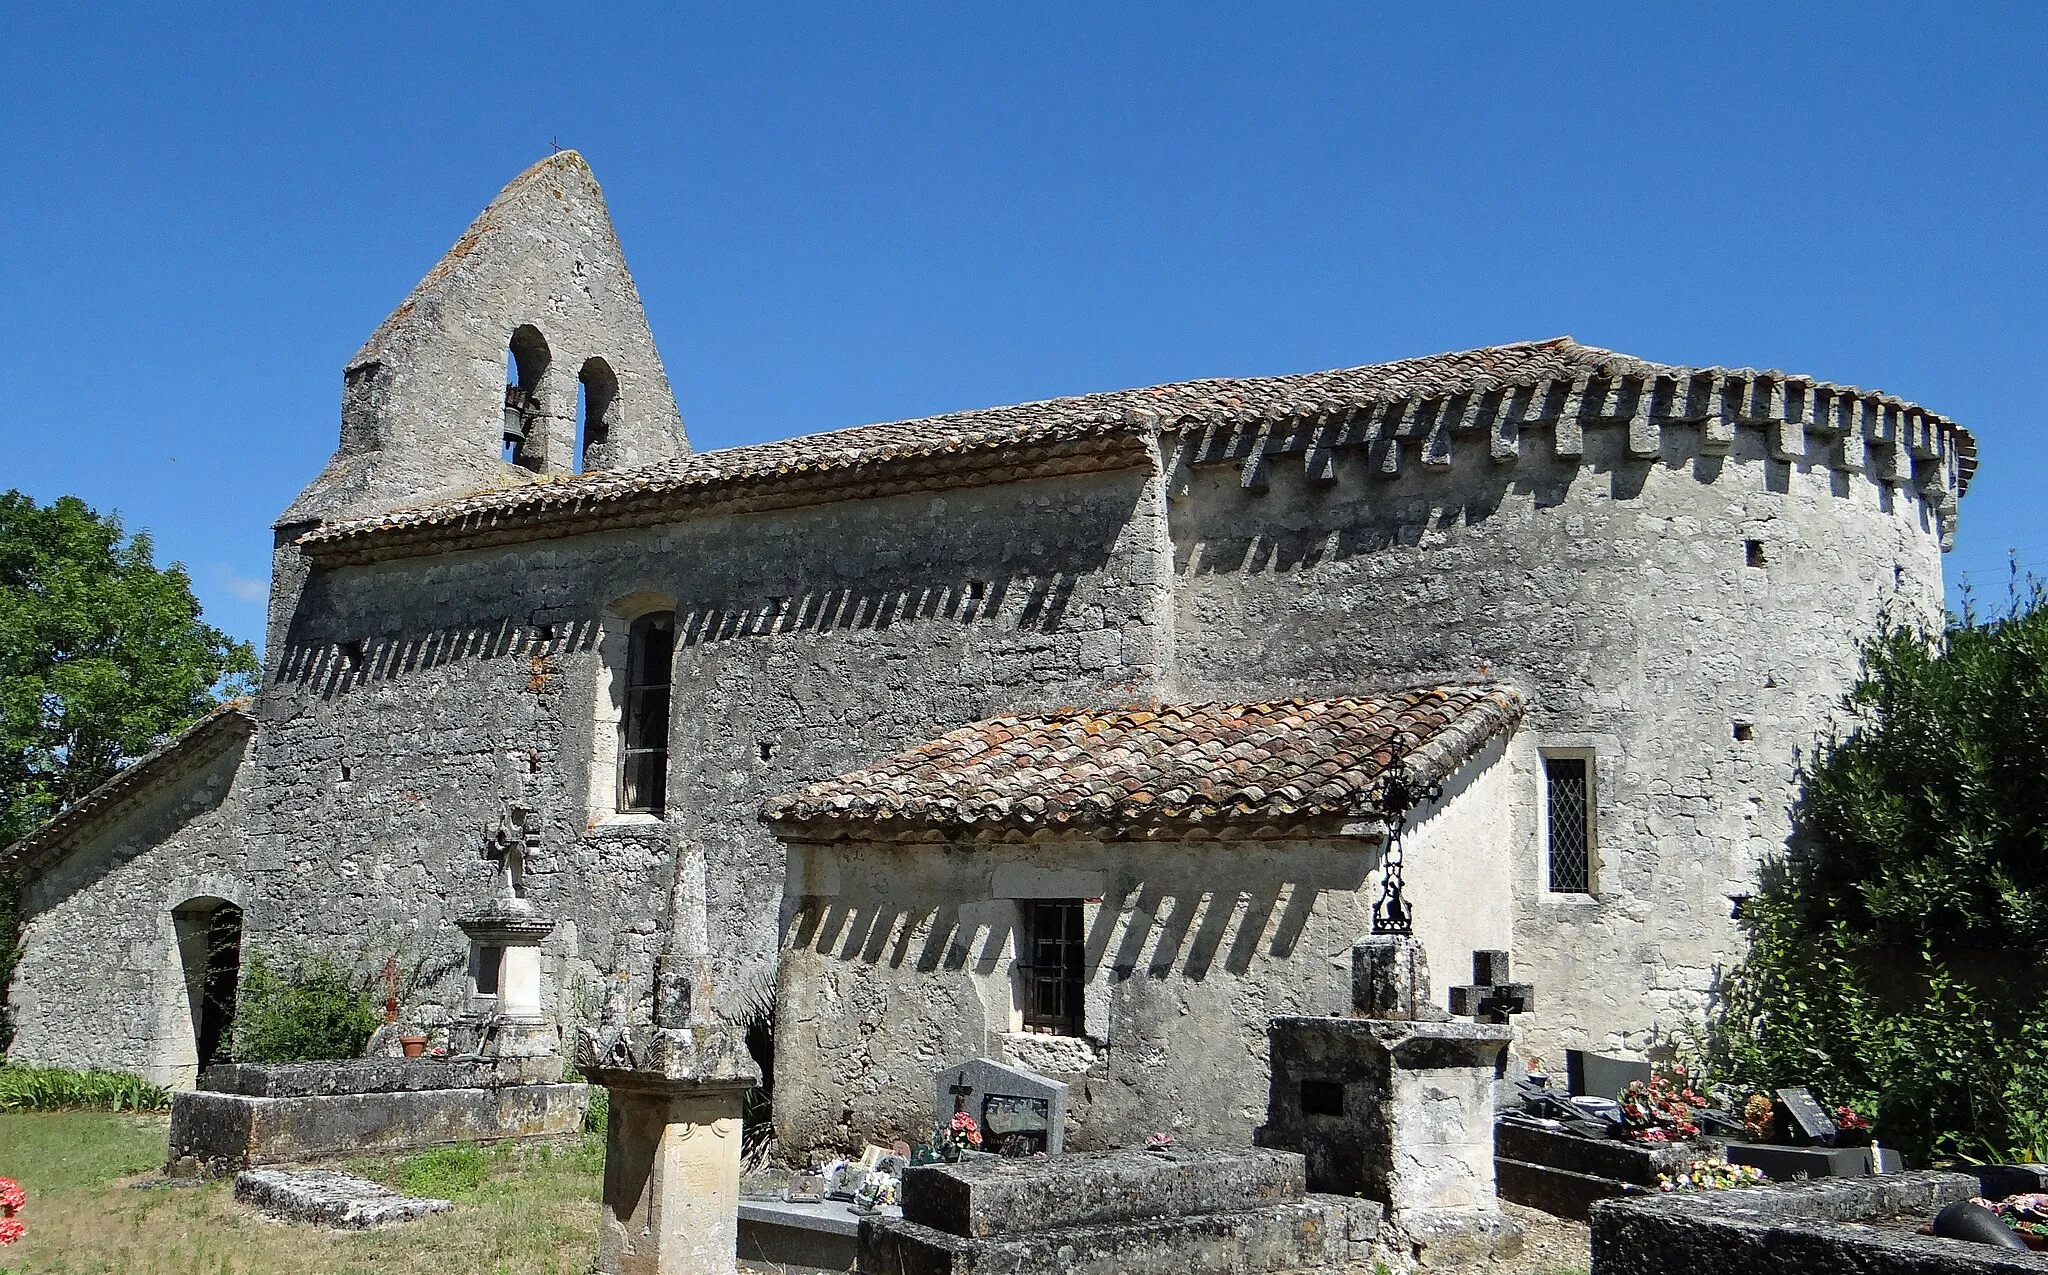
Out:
{"x": 1867, "y": 1225}
{"x": 1397, "y": 1110}
{"x": 1020, "y": 1112}
{"x": 1154, "y": 1212}
{"x": 249, "y": 1114}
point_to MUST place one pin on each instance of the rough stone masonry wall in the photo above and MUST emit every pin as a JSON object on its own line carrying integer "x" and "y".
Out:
{"x": 1616, "y": 590}
{"x": 418, "y": 697}
{"x": 101, "y": 982}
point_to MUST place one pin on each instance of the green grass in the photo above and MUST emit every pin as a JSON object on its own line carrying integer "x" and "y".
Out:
{"x": 445, "y": 1173}
{"x": 518, "y": 1209}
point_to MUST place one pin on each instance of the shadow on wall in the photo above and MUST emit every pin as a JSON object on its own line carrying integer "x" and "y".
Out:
{"x": 1037, "y": 603}
{"x": 1226, "y": 529}
{"x": 1156, "y": 927}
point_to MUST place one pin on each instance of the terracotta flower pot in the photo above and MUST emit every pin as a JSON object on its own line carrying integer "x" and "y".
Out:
{"x": 413, "y": 1046}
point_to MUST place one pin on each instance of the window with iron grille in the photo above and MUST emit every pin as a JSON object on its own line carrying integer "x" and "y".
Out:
{"x": 643, "y": 728}
{"x": 1052, "y": 1001}
{"x": 1567, "y": 781}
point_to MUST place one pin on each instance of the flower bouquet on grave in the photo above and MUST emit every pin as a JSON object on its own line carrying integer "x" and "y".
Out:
{"x": 958, "y": 1135}
{"x": 1847, "y": 1121}
{"x": 1660, "y": 1109}
{"x": 1714, "y": 1174}
{"x": 12, "y": 1201}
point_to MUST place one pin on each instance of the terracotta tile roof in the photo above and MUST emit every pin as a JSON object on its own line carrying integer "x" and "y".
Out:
{"x": 1286, "y": 762}
{"x": 197, "y": 744}
{"x": 1094, "y": 432}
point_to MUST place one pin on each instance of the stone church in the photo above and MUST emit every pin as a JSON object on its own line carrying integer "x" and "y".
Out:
{"x": 1049, "y": 733}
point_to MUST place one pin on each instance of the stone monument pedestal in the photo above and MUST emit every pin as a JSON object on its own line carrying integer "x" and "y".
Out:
{"x": 1396, "y": 1105}
{"x": 672, "y": 1147}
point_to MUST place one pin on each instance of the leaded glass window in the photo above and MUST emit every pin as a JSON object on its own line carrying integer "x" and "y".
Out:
{"x": 1567, "y": 780}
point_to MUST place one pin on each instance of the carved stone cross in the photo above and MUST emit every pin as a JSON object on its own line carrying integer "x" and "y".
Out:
{"x": 1491, "y": 997}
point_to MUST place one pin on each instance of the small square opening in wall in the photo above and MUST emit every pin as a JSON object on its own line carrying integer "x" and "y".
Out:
{"x": 1753, "y": 552}
{"x": 1745, "y": 731}
{"x": 1322, "y": 1098}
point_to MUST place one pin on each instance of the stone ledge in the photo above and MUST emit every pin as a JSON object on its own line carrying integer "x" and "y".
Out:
{"x": 376, "y": 1075}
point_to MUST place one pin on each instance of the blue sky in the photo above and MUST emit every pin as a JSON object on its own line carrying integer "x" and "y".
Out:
{"x": 840, "y": 214}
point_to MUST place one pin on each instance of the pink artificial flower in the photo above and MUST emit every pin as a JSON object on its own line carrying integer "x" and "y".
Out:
{"x": 11, "y": 1230}
{"x": 12, "y": 1197}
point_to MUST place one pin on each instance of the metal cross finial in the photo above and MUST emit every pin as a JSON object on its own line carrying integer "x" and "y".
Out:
{"x": 1394, "y": 796}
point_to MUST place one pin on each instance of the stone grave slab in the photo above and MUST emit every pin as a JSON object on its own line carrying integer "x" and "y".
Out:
{"x": 1787, "y": 1164}
{"x": 1866, "y": 1225}
{"x": 1010, "y": 1104}
{"x": 306, "y": 1111}
{"x": 326, "y": 1198}
{"x": 980, "y": 1198}
{"x": 1152, "y": 1212}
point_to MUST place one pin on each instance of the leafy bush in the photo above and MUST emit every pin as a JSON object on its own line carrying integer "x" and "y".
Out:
{"x": 310, "y": 1012}
{"x": 445, "y": 1173}
{"x": 69, "y": 1089}
{"x": 1896, "y": 955}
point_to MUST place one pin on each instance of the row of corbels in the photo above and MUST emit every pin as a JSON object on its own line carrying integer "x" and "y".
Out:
{"x": 1909, "y": 443}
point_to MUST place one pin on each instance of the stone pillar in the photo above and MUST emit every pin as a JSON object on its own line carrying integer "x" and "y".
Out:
{"x": 672, "y": 1146}
{"x": 671, "y": 1175}
{"x": 1397, "y": 1106}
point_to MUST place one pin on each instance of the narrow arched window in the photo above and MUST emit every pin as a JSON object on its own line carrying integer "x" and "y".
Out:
{"x": 597, "y": 410}
{"x": 526, "y": 362}
{"x": 643, "y": 727}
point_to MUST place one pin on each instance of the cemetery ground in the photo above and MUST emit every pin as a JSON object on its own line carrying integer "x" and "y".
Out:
{"x": 518, "y": 1210}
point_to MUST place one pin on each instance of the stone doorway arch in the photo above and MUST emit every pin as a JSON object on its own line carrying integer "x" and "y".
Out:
{"x": 210, "y": 951}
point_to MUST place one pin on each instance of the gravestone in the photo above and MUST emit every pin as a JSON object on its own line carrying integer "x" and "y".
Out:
{"x": 1491, "y": 997}
{"x": 1596, "y": 1075}
{"x": 1019, "y": 1111}
{"x": 1810, "y": 1124}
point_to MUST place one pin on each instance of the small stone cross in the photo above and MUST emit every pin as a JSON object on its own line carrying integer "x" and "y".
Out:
{"x": 1491, "y": 998}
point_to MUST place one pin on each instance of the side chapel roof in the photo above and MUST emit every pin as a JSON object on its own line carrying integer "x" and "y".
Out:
{"x": 1273, "y": 415}
{"x": 1281, "y": 764}
{"x": 182, "y": 753}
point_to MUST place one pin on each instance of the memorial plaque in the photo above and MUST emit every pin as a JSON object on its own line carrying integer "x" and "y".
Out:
{"x": 1810, "y": 1123}
{"x": 1020, "y": 1112}
{"x": 1600, "y": 1076}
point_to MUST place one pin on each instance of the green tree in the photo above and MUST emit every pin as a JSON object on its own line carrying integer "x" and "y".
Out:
{"x": 102, "y": 654}
{"x": 1899, "y": 953}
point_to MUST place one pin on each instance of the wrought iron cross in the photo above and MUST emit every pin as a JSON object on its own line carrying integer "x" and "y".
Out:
{"x": 1394, "y": 796}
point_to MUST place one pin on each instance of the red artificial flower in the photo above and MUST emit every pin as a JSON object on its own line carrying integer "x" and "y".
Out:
{"x": 11, "y": 1229}
{"x": 12, "y": 1197}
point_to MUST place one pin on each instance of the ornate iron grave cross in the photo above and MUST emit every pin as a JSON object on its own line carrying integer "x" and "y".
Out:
{"x": 1394, "y": 795}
